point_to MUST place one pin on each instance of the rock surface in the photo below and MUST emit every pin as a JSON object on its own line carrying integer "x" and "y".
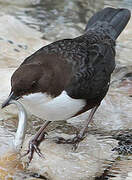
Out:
{"x": 61, "y": 162}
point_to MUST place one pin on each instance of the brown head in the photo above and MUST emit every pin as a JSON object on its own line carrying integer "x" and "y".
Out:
{"x": 25, "y": 79}
{"x": 50, "y": 76}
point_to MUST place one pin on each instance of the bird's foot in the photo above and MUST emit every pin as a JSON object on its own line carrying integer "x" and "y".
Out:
{"x": 74, "y": 141}
{"x": 79, "y": 136}
{"x": 33, "y": 147}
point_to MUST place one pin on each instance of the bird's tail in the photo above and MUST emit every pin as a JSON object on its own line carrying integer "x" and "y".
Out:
{"x": 117, "y": 19}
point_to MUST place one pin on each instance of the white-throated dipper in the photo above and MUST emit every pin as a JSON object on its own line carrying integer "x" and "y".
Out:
{"x": 69, "y": 76}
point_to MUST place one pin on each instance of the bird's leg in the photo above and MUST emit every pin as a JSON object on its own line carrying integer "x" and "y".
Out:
{"x": 35, "y": 142}
{"x": 81, "y": 135}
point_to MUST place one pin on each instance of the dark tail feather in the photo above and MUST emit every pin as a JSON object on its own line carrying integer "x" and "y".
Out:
{"x": 117, "y": 18}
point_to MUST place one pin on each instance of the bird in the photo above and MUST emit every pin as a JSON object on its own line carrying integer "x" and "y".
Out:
{"x": 10, "y": 161}
{"x": 70, "y": 76}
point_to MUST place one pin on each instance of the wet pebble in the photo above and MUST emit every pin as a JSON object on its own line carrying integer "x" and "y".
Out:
{"x": 22, "y": 46}
{"x": 11, "y": 42}
{"x": 16, "y": 50}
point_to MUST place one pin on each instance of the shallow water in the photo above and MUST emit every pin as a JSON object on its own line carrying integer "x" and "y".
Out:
{"x": 53, "y": 20}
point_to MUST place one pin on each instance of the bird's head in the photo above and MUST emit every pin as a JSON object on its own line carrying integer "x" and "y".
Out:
{"x": 49, "y": 74}
{"x": 27, "y": 79}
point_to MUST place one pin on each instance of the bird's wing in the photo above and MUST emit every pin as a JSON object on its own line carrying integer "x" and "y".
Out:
{"x": 92, "y": 76}
{"x": 55, "y": 48}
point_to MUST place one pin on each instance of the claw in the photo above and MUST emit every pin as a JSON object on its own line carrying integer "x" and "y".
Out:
{"x": 37, "y": 150}
{"x": 35, "y": 142}
{"x": 33, "y": 147}
{"x": 75, "y": 141}
{"x": 30, "y": 157}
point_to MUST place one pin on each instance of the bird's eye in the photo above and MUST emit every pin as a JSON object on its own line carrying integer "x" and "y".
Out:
{"x": 34, "y": 83}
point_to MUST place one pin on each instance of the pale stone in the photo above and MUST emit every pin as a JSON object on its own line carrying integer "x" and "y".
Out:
{"x": 124, "y": 47}
{"x": 122, "y": 169}
{"x": 61, "y": 162}
{"x": 17, "y": 41}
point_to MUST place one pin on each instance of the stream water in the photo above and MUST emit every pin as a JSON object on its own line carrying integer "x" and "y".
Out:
{"x": 52, "y": 20}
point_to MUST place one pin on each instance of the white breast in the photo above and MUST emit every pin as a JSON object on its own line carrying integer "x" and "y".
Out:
{"x": 60, "y": 108}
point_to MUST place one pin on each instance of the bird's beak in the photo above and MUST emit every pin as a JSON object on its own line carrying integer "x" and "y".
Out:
{"x": 7, "y": 101}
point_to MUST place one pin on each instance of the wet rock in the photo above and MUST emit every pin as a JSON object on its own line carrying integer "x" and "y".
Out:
{"x": 16, "y": 2}
{"x": 17, "y": 38}
{"x": 115, "y": 111}
{"x": 121, "y": 169}
{"x": 61, "y": 162}
{"x": 124, "y": 45}
{"x": 124, "y": 142}
{"x": 63, "y": 33}
{"x": 66, "y": 19}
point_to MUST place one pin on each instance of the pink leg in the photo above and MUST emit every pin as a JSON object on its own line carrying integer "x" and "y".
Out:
{"x": 35, "y": 142}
